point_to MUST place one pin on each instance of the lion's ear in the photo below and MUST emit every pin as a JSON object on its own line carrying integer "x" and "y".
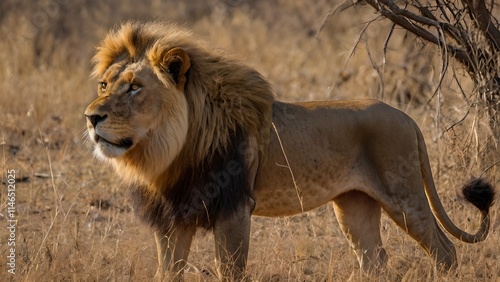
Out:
{"x": 176, "y": 62}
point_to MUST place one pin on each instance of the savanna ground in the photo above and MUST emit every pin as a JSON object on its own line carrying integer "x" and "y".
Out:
{"x": 74, "y": 218}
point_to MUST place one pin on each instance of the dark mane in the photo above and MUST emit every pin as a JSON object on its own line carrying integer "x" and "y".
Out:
{"x": 204, "y": 178}
{"x": 205, "y": 192}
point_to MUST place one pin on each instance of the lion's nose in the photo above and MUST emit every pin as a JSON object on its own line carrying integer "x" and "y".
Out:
{"x": 95, "y": 119}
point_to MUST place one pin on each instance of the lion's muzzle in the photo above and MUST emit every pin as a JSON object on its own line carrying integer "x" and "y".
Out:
{"x": 106, "y": 145}
{"x": 95, "y": 119}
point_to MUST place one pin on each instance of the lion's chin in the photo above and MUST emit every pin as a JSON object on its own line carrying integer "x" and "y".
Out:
{"x": 105, "y": 149}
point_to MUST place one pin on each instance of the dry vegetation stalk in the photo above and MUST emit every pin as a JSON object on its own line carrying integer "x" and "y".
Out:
{"x": 297, "y": 189}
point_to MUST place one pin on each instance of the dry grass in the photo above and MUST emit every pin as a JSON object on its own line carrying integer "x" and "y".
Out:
{"x": 74, "y": 219}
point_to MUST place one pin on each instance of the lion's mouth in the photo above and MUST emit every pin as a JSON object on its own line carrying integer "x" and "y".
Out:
{"x": 124, "y": 143}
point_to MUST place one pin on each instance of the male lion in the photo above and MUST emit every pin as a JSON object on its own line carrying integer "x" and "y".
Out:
{"x": 202, "y": 143}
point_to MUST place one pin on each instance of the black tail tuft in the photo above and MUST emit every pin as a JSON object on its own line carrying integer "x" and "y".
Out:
{"x": 480, "y": 193}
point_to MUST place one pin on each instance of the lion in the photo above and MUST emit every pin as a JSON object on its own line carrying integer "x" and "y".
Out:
{"x": 203, "y": 144}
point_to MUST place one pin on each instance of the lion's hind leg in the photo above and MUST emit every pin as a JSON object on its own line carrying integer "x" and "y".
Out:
{"x": 419, "y": 222}
{"x": 359, "y": 218}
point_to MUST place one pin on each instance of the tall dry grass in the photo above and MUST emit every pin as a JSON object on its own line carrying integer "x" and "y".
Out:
{"x": 74, "y": 219}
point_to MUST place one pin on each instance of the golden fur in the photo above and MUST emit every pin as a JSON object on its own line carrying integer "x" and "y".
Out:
{"x": 222, "y": 96}
{"x": 191, "y": 131}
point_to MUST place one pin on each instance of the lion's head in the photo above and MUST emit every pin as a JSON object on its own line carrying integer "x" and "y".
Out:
{"x": 166, "y": 101}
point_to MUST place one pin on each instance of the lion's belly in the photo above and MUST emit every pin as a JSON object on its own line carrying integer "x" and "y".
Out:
{"x": 284, "y": 199}
{"x": 316, "y": 181}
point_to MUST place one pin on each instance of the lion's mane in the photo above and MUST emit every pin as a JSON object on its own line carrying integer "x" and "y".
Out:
{"x": 229, "y": 104}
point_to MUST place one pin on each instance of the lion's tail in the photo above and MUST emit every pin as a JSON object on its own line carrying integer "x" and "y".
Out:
{"x": 478, "y": 192}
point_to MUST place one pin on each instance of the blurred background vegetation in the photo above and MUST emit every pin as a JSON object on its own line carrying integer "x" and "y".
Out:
{"x": 75, "y": 219}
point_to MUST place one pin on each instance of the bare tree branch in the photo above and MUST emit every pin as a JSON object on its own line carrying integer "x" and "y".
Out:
{"x": 482, "y": 16}
{"x": 474, "y": 41}
{"x": 413, "y": 22}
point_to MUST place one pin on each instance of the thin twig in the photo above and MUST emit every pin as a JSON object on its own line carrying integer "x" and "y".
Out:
{"x": 488, "y": 168}
{"x": 379, "y": 70}
{"x": 389, "y": 35}
{"x": 342, "y": 6}
{"x": 457, "y": 122}
{"x": 358, "y": 39}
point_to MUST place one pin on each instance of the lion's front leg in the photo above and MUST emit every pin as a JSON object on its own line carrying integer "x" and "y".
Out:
{"x": 173, "y": 250}
{"x": 231, "y": 244}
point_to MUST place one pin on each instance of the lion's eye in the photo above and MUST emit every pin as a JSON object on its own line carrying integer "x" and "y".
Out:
{"x": 133, "y": 88}
{"x": 103, "y": 86}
